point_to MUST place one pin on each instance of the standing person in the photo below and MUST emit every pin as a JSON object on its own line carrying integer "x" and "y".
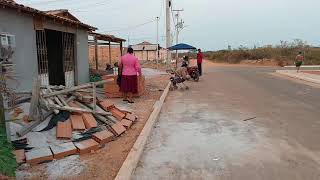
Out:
{"x": 299, "y": 61}
{"x": 199, "y": 61}
{"x": 130, "y": 69}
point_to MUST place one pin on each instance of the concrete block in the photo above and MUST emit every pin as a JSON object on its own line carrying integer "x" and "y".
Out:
{"x": 20, "y": 156}
{"x": 117, "y": 113}
{"x": 126, "y": 123}
{"x": 63, "y": 150}
{"x": 87, "y": 146}
{"x": 130, "y": 117}
{"x": 36, "y": 156}
{"x": 103, "y": 137}
{"x": 64, "y": 130}
{"x": 106, "y": 105}
{"x": 77, "y": 122}
{"x": 89, "y": 120}
{"x": 118, "y": 129}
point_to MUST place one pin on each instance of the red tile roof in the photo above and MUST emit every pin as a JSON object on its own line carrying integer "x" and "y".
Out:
{"x": 28, "y": 10}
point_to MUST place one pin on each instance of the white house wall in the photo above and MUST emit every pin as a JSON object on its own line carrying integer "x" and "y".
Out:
{"x": 82, "y": 54}
{"x": 25, "y": 55}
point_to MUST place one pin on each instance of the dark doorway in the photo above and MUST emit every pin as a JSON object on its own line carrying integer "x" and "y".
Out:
{"x": 55, "y": 57}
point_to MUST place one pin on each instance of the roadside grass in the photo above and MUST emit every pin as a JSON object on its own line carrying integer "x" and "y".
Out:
{"x": 283, "y": 56}
{"x": 283, "y": 53}
{"x": 8, "y": 163}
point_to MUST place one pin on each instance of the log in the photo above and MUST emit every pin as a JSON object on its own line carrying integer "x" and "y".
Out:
{"x": 83, "y": 86}
{"x": 55, "y": 97}
{"x": 71, "y": 98}
{"x": 51, "y": 103}
{"x": 73, "y": 109}
{"x": 63, "y": 100}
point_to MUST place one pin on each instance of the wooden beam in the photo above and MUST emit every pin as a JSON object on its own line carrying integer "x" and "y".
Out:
{"x": 121, "y": 48}
{"x": 74, "y": 88}
{"x": 110, "y": 53}
{"x": 96, "y": 52}
{"x": 33, "y": 111}
{"x": 94, "y": 97}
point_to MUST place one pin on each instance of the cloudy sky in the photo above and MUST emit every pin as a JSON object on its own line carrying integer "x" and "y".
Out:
{"x": 210, "y": 24}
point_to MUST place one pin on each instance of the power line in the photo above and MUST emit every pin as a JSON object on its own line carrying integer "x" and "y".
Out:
{"x": 92, "y": 5}
{"x": 86, "y": 6}
{"x": 130, "y": 27}
{"x": 44, "y": 2}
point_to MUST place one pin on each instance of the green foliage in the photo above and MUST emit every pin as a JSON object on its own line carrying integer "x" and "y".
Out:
{"x": 8, "y": 163}
{"x": 96, "y": 78}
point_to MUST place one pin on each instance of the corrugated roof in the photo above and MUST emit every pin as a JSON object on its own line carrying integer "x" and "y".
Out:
{"x": 151, "y": 47}
{"x": 25, "y": 9}
{"x": 62, "y": 13}
{"x": 106, "y": 37}
{"x": 145, "y": 43}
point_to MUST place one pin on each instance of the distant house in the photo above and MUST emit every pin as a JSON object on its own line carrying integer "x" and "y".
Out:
{"x": 147, "y": 51}
{"x": 52, "y": 45}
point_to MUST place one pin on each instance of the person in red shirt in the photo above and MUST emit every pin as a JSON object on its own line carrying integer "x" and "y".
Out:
{"x": 199, "y": 61}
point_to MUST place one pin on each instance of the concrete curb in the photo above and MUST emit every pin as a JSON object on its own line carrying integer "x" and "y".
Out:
{"x": 135, "y": 153}
{"x": 304, "y": 78}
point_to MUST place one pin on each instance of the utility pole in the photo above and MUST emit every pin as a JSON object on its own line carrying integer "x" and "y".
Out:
{"x": 157, "y": 55}
{"x": 168, "y": 30}
{"x": 179, "y": 26}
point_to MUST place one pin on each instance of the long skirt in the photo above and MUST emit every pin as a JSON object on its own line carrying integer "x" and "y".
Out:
{"x": 129, "y": 84}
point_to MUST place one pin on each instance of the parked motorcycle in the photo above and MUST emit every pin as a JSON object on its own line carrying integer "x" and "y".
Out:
{"x": 192, "y": 71}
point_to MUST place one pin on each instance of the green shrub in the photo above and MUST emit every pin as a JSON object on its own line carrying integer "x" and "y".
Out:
{"x": 8, "y": 163}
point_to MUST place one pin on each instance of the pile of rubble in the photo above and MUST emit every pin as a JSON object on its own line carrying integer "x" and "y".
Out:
{"x": 83, "y": 118}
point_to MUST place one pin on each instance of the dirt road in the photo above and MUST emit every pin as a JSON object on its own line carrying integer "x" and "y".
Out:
{"x": 238, "y": 122}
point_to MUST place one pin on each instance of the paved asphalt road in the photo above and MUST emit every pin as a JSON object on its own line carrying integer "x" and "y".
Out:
{"x": 202, "y": 133}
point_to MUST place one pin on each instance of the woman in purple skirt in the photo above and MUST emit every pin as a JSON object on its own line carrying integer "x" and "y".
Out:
{"x": 130, "y": 70}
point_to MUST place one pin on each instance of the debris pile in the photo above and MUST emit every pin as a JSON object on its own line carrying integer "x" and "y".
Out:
{"x": 83, "y": 119}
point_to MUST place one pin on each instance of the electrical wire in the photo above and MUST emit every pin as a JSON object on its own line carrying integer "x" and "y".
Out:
{"x": 130, "y": 27}
{"x": 44, "y": 2}
{"x": 86, "y": 6}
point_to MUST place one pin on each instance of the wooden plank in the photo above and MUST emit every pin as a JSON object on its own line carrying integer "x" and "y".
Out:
{"x": 110, "y": 53}
{"x": 94, "y": 97}
{"x": 96, "y": 52}
{"x": 33, "y": 111}
{"x": 83, "y": 86}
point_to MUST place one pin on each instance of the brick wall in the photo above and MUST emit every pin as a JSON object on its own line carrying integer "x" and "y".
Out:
{"x": 103, "y": 56}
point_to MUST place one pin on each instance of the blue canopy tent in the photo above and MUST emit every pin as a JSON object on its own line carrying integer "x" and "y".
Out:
{"x": 180, "y": 46}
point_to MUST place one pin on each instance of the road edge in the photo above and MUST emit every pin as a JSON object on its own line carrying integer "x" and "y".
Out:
{"x": 308, "y": 79}
{"x": 135, "y": 153}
